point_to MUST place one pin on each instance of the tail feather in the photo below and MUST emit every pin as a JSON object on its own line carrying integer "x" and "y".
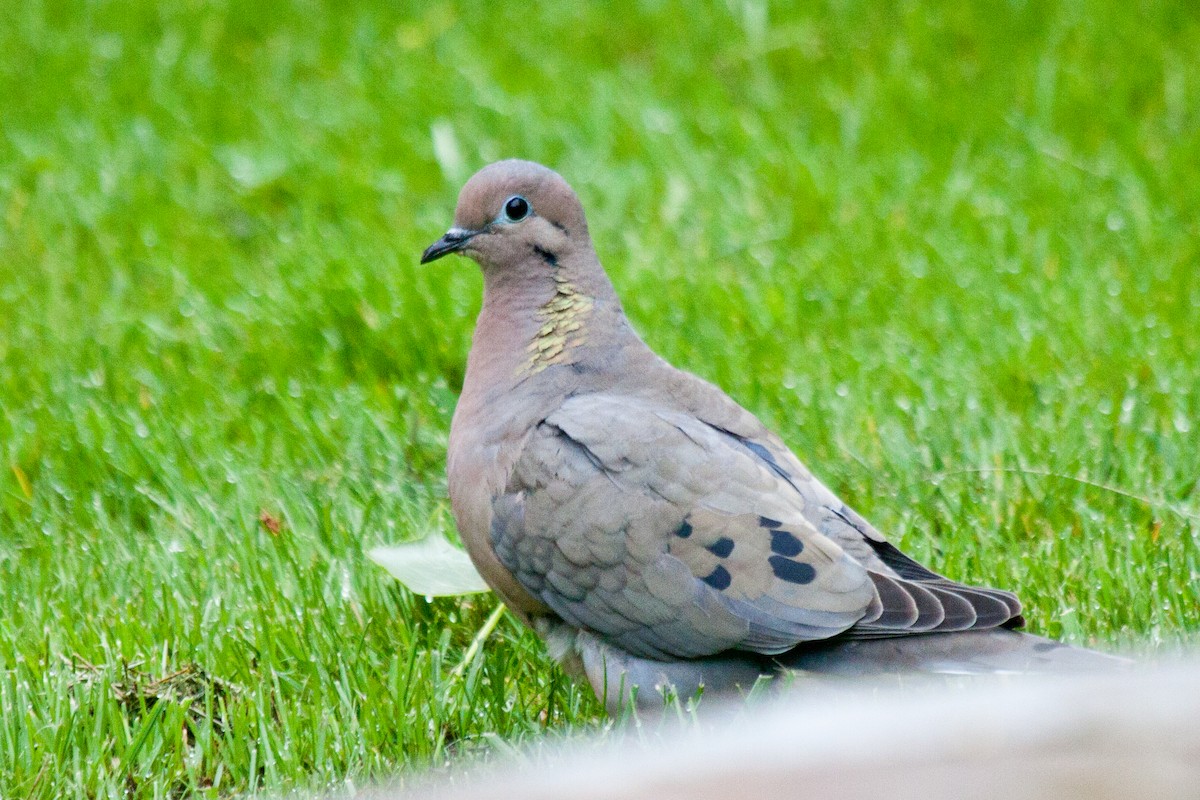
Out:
{"x": 997, "y": 650}
{"x": 619, "y": 677}
{"x": 917, "y": 605}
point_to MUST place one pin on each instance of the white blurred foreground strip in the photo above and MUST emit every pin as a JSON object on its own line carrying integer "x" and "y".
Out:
{"x": 1130, "y": 735}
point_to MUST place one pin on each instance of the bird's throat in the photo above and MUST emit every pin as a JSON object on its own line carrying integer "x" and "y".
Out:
{"x": 562, "y": 328}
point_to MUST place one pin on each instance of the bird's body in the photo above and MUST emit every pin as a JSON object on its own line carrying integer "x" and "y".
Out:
{"x": 649, "y": 527}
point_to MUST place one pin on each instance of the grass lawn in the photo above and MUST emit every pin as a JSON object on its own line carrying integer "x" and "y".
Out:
{"x": 951, "y": 251}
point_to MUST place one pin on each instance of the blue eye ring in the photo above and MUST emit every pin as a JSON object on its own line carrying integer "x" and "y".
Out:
{"x": 516, "y": 208}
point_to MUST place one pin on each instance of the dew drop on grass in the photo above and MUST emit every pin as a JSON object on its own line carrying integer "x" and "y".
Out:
{"x": 1127, "y": 410}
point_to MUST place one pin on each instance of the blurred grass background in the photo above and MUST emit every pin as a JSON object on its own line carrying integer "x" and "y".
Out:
{"x": 950, "y": 251}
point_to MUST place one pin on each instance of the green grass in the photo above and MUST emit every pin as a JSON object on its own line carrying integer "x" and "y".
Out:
{"x": 950, "y": 251}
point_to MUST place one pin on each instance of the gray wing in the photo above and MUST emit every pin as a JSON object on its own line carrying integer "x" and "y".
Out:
{"x": 912, "y": 598}
{"x": 667, "y": 539}
{"x": 674, "y": 538}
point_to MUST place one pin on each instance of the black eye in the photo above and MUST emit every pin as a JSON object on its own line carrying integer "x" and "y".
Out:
{"x": 516, "y": 208}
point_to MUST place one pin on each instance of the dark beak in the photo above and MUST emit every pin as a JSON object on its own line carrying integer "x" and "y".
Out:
{"x": 454, "y": 240}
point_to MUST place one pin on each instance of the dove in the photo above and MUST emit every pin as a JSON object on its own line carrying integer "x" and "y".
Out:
{"x": 653, "y": 532}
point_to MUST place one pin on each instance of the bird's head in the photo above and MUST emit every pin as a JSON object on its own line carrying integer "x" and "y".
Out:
{"x": 511, "y": 212}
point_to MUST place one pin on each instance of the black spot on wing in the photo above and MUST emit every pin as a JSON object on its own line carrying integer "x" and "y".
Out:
{"x": 767, "y": 522}
{"x": 546, "y": 255}
{"x": 785, "y": 544}
{"x": 721, "y": 547}
{"x": 684, "y": 530}
{"x": 719, "y": 578}
{"x": 791, "y": 571}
